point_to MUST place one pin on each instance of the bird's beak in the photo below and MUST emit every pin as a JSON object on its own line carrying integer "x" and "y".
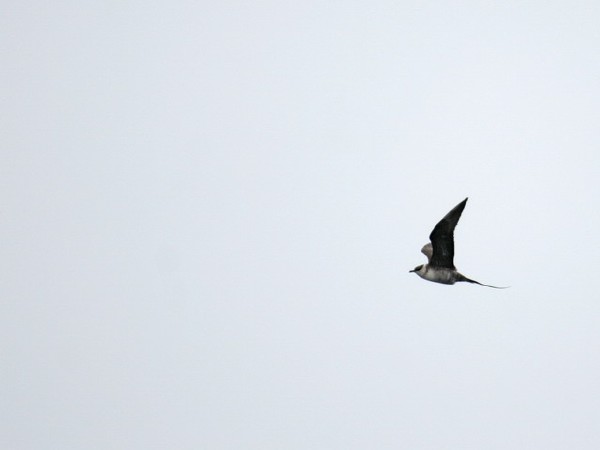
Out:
{"x": 411, "y": 271}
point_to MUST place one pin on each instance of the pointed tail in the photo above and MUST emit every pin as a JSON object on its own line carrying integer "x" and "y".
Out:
{"x": 461, "y": 277}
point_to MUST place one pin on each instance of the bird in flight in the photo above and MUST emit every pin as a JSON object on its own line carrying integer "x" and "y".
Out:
{"x": 440, "y": 252}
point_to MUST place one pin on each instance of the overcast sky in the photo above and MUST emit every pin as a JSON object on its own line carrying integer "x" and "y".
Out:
{"x": 208, "y": 212}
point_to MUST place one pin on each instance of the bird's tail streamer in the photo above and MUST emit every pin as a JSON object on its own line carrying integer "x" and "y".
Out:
{"x": 468, "y": 280}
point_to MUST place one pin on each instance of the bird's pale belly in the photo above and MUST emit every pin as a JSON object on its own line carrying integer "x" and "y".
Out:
{"x": 444, "y": 276}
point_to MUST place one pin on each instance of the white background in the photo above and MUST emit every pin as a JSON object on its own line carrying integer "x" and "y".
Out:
{"x": 208, "y": 211}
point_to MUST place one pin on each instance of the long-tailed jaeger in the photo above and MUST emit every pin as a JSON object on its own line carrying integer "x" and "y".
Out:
{"x": 440, "y": 252}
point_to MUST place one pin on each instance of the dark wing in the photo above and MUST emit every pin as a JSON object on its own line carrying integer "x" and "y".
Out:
{"x": 442, "y": 238}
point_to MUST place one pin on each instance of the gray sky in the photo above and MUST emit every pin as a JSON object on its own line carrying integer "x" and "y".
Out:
{"x": 209, "y": 210}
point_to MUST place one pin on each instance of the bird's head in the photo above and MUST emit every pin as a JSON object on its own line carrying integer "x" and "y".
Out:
{"x": 416, "y": 269}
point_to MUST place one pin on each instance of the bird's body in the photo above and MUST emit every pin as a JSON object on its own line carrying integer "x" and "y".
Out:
{"x": 437, "y": 274}
{"x": 440, "y": 252}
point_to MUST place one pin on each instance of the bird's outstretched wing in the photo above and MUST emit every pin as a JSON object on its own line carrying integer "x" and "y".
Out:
{"x": 427, "y": 250}
{"x": 442, "y": 238}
